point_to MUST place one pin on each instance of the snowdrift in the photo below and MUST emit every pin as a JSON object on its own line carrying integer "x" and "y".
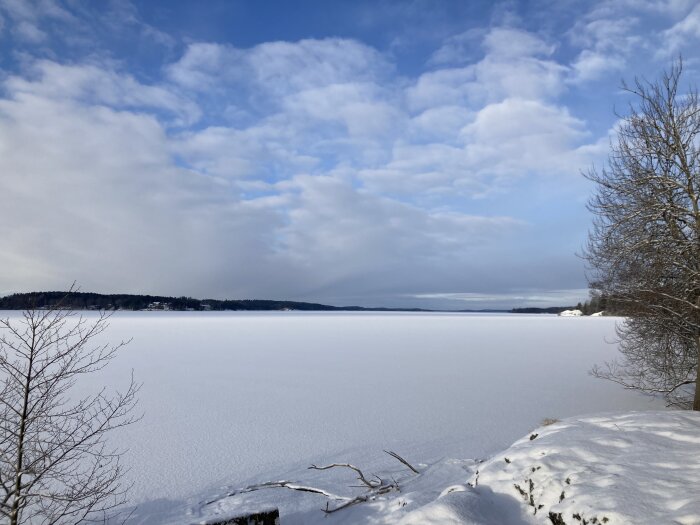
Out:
{"x": 635, "y": 468}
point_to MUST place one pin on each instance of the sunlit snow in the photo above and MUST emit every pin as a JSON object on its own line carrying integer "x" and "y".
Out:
{"x": 232, "y": 398}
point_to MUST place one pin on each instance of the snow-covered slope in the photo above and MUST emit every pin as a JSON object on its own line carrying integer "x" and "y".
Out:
{"x": 633, "y": 468}
{"x": 636, "y": 468}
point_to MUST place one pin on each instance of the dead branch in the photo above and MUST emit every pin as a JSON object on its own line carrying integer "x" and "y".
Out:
{"x": 402, "y": 460}
{"x": 278, "y": 485}
{"x": 363, "y": 498}
{"x": 375, "y": 487}
{"x": 360, "y": 476}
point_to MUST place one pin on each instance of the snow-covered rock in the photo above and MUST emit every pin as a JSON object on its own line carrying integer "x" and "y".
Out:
{"x": 597, "y": 314}
{"x": 571, "y": 313}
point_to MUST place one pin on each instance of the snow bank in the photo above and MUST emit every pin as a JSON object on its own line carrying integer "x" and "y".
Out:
{"x": 571, "y": 313}
{"x": 639, "y": 468}
{"x": 635, "y": 468}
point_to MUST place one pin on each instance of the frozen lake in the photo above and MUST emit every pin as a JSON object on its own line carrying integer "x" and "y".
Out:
{"x": 232, "y": 396}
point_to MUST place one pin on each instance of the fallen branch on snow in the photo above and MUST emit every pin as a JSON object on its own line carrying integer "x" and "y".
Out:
{"x": 375, "y": 486}
{"x": 278, "y": 485}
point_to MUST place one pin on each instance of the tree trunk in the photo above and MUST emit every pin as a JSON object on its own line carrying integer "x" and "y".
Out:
{"x": 696, "y": 400}
{"x": 19, "y": 466}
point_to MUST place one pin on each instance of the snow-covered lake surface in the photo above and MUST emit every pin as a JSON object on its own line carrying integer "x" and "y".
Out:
{"x": 230, "y": 398}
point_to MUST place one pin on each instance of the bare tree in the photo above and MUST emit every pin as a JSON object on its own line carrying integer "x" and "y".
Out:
{"x": 644, "y": 249}
{"x": 55, "y": 463}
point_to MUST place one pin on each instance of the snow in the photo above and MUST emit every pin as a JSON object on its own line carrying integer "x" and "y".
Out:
{"x": 597, "y": 314}
{"x": 571, "y": 313}
{"x": 231, "y": 399}
{"x": 639, "y": 468}
{"x": 632, "y": 468}
{"x": 635, "y": 468}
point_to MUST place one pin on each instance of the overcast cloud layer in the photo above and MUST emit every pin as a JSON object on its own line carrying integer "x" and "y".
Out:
{"x": 380, "y": 153}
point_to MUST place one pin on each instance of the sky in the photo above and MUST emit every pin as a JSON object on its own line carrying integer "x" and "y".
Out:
{"x": 415, "y": 153}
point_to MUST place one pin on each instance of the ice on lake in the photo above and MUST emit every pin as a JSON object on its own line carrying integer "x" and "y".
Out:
{"x": 229, "y": 397}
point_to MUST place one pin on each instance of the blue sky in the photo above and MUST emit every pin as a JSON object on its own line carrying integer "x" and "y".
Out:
{"x": 413, "y": 153}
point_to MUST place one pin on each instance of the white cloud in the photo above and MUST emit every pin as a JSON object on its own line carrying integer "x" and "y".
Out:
{"x": 98, "y": 84}
{"x": 519, "y": 136}
{"x": 204, "y": 65}
{"x": 29, "y": 32}
{"x": 509, "y": 43}
{"x": 440, "y": 123}
{"x": 499, "y": 143}
{"x": 590, "y": 65}
{"x": 445, "y": 86}
{"x": 19, "y": 9}
{"x": 268, "y": 150}
{"x": 360, "y": 108}
{"x": 685, "y": 31}
{"x": 536, "y": 298}
{"x": 346, "y": 232}
{"x": 607, "y": 43}
{"x": 302, "y": 169}
{"x": 285, "y": 66}
{"x": 79, "y": 24}
{"x": 606, "y": 32}
{"x": 28, "y": 15}
{"x": 515, "y": 65}
{"x": 617, "y": 36}
{"x": 656, "y": 7}
{"x": 89, "y": 169}
{"x": 279, "y": 68}
{"x": 457, "y": 49}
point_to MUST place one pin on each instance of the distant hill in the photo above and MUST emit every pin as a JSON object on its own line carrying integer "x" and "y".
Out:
{"x": 96, "y": 301}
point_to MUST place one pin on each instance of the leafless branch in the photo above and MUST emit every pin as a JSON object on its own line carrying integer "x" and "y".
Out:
{"x": 55, "y": 463}
{"x": 643, "y": 251}
{"x": 278, "y": 485}
{"x": 402, "y": 460}
{"x": 360, "y": 476}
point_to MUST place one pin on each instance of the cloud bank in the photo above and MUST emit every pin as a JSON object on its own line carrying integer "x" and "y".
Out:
{"x": 313, "y": 169}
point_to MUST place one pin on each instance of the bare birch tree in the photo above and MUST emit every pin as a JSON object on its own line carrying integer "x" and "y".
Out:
{"x": 55, "y": 463}
{"x": 644, "y": 249}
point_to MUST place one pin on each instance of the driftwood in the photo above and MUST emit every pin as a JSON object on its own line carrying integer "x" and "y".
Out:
{"x": 371, "y": 484}
{"x": 371, "y": 495}
{"x": 375, "y": 486}
{"x": 277, "y": 485}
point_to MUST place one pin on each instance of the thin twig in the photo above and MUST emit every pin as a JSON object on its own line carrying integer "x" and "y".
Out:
{"x": 402, "y": 460}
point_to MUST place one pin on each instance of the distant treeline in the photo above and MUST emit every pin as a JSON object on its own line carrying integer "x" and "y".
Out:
{"x": 96, "y": 301}
{"x": 604, "y": 303}
{"x": 533, "y": 310}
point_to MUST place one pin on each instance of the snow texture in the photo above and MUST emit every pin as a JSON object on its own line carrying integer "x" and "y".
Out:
{"x": 639, "y": 468}
{"x": 634, "y": 468}
{"x": 232, "y": 399}
{"x": 571, "y": 313}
